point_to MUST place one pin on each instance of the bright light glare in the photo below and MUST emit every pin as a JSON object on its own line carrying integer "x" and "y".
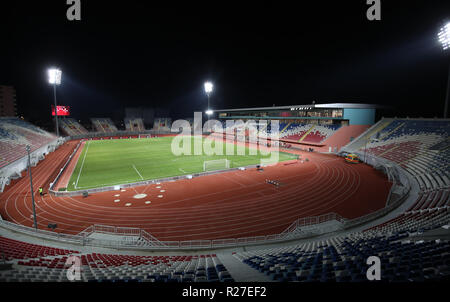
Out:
{"x": 54, "y": 76}
{"x": 209, "y": 112}
{"x": 444, "y": 36}
{"x": 208, "y": 87}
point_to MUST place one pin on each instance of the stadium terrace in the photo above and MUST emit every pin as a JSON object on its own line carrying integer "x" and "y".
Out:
{"x": 118, "y": 166}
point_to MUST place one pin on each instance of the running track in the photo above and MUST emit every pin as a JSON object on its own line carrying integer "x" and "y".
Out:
{"x": 228, "y": 205}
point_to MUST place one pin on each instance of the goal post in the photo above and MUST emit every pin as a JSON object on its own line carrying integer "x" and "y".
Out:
{"x": 217, "y": 164}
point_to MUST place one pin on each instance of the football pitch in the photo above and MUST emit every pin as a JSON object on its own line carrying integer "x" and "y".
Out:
{"x": 121, "y": 161}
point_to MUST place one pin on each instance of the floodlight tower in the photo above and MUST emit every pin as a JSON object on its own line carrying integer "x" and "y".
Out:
{"x": 444, "y": 39}
{"x": 208, "y": 90}
{"x": 31, "y": 186}
{"x": 54, "y": 78}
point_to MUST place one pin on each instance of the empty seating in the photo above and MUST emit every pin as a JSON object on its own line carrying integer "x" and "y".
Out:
{"x": 343, "y": 259}
{"x": 421, "y": 148}
{"x": 15, "y": 135}
{"x": 39, "y": 263}
{"x": 71, "y": 127}
{"x": 103, "y": 125}
{"x": 134, "y": 124}
{"x": 295, "y": 132}
{"x": 163, "y": 124}
{"x": 13, "y": 249}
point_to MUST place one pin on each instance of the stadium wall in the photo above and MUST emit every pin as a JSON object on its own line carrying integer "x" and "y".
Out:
{"x": 360, "y": 116}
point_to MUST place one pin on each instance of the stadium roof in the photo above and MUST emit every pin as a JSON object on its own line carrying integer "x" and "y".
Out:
{"x": 307, "y": 107}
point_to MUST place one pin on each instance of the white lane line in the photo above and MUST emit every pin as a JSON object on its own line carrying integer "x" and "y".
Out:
{"x": 82, "y": 164}
{"x": 138, "y": 172}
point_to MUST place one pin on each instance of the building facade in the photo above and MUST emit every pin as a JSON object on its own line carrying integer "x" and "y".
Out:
{"x": 321, "y": 114}
{"x": 8, "y": 101}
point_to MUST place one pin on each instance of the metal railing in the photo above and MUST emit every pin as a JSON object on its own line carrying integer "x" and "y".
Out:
{"x": 55, "y": 181}
{"x": 151, "y": 243}
{"x": 307, "y": 221}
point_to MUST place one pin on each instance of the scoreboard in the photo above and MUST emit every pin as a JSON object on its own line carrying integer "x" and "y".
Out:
{"x": 61, "y": 110}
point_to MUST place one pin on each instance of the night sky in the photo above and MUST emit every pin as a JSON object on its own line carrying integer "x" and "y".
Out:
{"x": 127, "y": 54}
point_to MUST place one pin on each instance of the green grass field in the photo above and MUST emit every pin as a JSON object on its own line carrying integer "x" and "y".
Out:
{"x": 113, "y": 162}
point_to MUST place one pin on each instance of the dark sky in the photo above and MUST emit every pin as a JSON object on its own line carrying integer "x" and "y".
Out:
{"x": 127, "y": 53}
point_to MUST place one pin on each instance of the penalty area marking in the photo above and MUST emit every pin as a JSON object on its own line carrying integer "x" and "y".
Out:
{"x": 138, "y": 172}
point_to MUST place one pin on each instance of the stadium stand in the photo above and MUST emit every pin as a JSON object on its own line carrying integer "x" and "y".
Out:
{"x": 71, "y": 127}
{"x": 103, "y": 125}
{"x": 134, "y": 124}
{"x": 343, "y": 259}
{"x": 307, "y": 133}
{"x": 405, "y": 243}
{"x": 162, "y": 124}
{"x": 421, "y": 147}
{"x": 36, "y": 263}
{"x": 15, "y": 135}
{"x": 13, "y": 249}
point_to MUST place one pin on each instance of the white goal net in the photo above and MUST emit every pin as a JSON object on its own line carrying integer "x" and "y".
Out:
{"x": 218, "y": 164}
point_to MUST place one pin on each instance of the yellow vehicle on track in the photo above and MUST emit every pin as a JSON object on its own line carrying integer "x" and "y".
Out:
{"x": 352, "y": 158}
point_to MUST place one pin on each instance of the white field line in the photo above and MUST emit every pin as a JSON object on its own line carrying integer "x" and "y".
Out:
{"x": 182, "y": 170}
{"x": 142, "y": 178}
{"x": 82, "y": 164}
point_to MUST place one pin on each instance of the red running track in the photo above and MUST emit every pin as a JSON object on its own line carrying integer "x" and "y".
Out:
{"x": 228, "y": 205}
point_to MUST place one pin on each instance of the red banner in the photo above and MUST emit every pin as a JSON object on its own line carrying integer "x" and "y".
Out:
{"x": 62, "y": 110}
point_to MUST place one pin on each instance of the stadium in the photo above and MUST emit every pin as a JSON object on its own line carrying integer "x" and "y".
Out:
{"x": 283, "y": 193}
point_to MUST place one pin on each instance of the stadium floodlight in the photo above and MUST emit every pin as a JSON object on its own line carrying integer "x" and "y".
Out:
{"x": 444, "y": 39}
{"x": 444, "y": 36}
{"x": 208, "y": 89}
{"x": 54, "y": 78}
